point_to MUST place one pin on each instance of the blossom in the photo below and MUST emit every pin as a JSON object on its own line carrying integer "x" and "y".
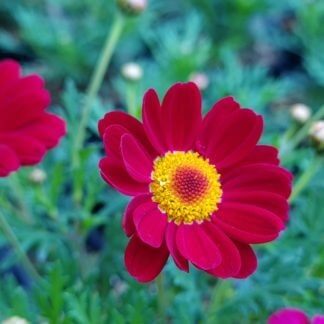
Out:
{"x": 203, "y": 189}
{"x": 293, "y": 316}
{"x": 27, "y": 131}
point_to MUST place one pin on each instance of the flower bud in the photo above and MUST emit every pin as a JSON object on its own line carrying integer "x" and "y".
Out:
{"x": 132, "y": 7}
{"x": 37, "y": 176}
{"x": 316, "y": 133}
{"x": 132, "y": 72}
{"x": 15, "y": 320}
{"x": 200, "y": 79}
{"x": 300, "y": 113}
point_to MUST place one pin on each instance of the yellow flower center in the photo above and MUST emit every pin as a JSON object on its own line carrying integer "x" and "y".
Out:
{"x": 186, "y": 187}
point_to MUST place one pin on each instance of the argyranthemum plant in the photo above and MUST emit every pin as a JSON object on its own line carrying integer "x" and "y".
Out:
{"x": 27, "y": 130}
{"x": 203, "y": 189}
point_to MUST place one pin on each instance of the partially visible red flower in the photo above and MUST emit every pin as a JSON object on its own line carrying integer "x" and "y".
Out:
{"x": 27, "y": 131}
{"x": 294, "y": 316}
{"x": 204, "y": 191}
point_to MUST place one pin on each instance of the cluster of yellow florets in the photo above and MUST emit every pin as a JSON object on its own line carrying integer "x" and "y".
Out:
{"x": 185, "y": 186}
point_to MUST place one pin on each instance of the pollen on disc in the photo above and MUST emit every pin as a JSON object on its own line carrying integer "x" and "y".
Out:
{"x": 185, "y": 186}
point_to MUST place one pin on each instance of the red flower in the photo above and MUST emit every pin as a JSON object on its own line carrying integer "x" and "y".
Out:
{"x": 293, "y": 316}
{"x": 27, "y": 131}
{"x": 203, "y": 189}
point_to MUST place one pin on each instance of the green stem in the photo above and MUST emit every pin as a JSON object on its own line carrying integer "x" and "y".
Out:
{"x": 305, "y": 178}
{"x": 11, "y": 237}
{"x": 96, "y": 81}
{"x": 131, "y": 99}
{"x": 161, "y": 298}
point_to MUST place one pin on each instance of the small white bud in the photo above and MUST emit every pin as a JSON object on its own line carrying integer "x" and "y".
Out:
{"x": 316, "y": 132}
{"x": 300, "y": 113}
{"x": 132, "y": 7}
{"x": 15, "y": 320}
{"x": 200, "y": 79}
{"x": 132, "y": 71}
{"x": 37, "y": 176}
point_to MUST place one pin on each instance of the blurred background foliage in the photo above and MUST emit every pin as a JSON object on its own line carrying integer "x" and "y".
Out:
{"x": 267, "y": 54}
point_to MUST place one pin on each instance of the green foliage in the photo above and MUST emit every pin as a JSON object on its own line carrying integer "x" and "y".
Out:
{"x": 53, "y": 220}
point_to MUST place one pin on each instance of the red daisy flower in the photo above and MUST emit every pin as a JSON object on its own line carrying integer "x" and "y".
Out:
{"x": 293, "y": 316}
{"x": 27, "y": 131}
{"x": 203, "y": 189}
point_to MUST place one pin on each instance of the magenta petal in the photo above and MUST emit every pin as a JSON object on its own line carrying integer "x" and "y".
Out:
{"x": 262, "y": 154}
{"x": 288, "y": 316}
{"x": 213, "y": 121}
{"x": 8, "y": 162}
{"x": 248, "y": 223}
{"x": 231, "y": 261}
{"x": 28, "y": 150}
{"x": 144, "y": 262}
{"x": 179, "y": 260}
{"x": 47, "y": 129}
{"x": 249, "y": 261}
{"x": 235, "y": 138}
{"x": 318, "y": 319}
{"x": 112, "y": 140}
{"x": 131, "y": 124}
{"x": 265, "y": 177}
{"x": 9, "y": 70}
{"x": 152, "y": 120}
{"x": 137, "y": 161}
{"x": 196, "y": 246}
{"x": 240, "y": 150}
{"x": 273, "y": 202}
{"x": 128, "y": 218}
{"x": 150, "y": 224}
{"x": 115, "y": 174}
{"x": 181, "y": 116}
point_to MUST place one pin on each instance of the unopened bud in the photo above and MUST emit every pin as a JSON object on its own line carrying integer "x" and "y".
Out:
{"x": 15, "y": 320}
{"x": 132, "y": 7}
{"x": 200, "y": 79}
{"x": 300, "y": 113}
{"x": 132, "y": 72}
{"x": 37, "y": 176}
{"x": 316, "y": 133}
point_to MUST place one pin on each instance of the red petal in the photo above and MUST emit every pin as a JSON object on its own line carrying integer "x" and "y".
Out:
{"x": 264, "y": 177}
{"x": 150, "y": 224}
{"x": 288, "y": 316}
{"x": 128, "y": 122}
{"x": 318, "y": 319}
{"x": 152, "y": 120}
{"x": 262, "y": 154}
{"x": 247, "y": 223}
{"x": 115, "y": 174}
{"x": 28, "y": 150}
{"x": 9, "y": 71}
{"x": 112, "y": 140}
{"x": 231, "y": 261}
{"x": 8, "y": 162}
{"x": 144, "y": 262}
{"x": 128, "y": 221}
{"x": 236, "y": 151}
{"x": 179, "y": 260}
{"x": 196, "y": 246}
{"x": 181, "y": 116}
{"x": 20, "y": 86}
{"x": 249, "y": 261}
{"x": 48, "y": 130}
{"x": 213, "y": 121}
{"x": 263, "y": 199}
{"x": 235, "y": 138}
{"x": 137, "y": 161}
